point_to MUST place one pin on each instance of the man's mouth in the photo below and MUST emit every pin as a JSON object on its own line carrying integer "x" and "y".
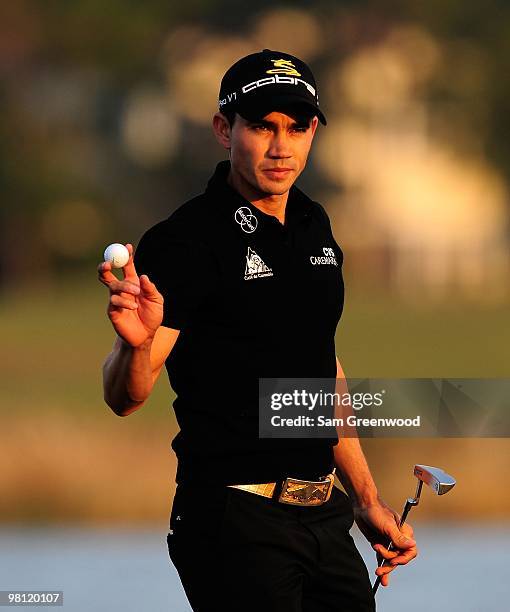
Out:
{"x": 278, "y": 172}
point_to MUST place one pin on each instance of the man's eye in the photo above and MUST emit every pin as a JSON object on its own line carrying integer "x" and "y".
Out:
{"x": 260, "y": 127}
{"x": 301, "y": 129}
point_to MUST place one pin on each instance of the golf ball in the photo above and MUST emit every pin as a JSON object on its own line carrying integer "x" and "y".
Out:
{"x": 117, "y": 254}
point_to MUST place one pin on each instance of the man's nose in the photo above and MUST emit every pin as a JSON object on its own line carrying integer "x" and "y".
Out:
{"x": 280, "y": 145}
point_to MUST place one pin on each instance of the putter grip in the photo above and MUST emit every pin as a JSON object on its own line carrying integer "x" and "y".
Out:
{"x": 405, "y": 512}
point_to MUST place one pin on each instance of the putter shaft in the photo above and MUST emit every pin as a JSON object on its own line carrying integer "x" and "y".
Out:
{"x": 438, "y": 480}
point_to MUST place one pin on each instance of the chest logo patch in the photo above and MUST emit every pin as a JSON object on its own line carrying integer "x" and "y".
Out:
{"x": 246, "y": 219}
{"x": 327, "y": 258}
{"x": 255, "y": 267}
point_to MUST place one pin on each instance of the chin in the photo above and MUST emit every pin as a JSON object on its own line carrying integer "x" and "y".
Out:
{"x": 275, "y": 187}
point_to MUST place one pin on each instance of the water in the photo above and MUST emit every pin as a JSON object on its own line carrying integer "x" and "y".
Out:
{"x": 460, "y": 569}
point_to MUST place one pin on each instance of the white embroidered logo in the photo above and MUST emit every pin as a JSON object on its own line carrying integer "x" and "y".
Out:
{"x": 246, "y": 219}
{"x": 328, "y": 258}
{"x": 255, "y": 267}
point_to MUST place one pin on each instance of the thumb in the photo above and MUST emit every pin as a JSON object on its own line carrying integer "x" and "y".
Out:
{"x": 400, "y": 540}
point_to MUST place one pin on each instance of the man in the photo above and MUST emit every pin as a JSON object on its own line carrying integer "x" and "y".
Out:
{"x": 234, "y": 287}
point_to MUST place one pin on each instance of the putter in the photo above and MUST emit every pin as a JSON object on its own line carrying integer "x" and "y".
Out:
{"x": 440, "y": 482}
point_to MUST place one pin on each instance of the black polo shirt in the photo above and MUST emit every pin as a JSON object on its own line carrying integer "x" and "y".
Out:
{"x": 252, "y": 298}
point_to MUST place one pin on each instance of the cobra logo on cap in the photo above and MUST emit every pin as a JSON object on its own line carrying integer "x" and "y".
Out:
{"x": 283, "y": 66}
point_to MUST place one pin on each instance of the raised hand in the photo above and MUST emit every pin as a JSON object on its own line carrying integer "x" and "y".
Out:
{"x": 135, "y": 307}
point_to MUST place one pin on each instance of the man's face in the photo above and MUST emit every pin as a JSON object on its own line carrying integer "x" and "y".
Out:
{"x": 268, "y": 155}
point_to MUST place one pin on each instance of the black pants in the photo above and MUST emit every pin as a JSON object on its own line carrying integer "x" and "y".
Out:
{"x": 238, "y": 551}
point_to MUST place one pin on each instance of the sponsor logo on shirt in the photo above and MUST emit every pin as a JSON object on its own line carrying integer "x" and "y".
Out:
{"x": 246, "y": 219}
{"x": 255, "y": 267}
{"x": 327, "y": 258}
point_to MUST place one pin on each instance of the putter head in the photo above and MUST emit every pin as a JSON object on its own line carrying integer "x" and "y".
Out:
{"x": 440, "y": 482}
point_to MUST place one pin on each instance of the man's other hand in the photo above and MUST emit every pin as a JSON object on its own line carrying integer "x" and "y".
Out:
{"x": 379, "y": 524}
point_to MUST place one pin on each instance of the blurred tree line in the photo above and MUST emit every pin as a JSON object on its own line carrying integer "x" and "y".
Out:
{"x": 68, "y": 68}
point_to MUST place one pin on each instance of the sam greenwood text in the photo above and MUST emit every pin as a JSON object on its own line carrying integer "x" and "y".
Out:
{"x": 351, "y": 421}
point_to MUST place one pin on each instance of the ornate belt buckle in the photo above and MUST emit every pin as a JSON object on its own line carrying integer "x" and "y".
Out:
{"x": 306, "y": 492}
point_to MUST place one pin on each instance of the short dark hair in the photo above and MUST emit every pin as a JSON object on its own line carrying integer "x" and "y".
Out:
{"x": 230, "y": 114}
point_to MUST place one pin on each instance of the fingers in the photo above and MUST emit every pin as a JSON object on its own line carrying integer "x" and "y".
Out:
{"x": 404, "y": 558}
{"x": 391, "y": 562}
{"x": 148, "y": 288}
{"x": 122, "y": 302}
{"x": 384, "y": 552}
{"x": 129, "y": 271}
{"x": 105, "y": 274}
{"x": 385, "y": 580}
{"x": 115, "y": 285}
{"x": 403, "y": 550}
{"x": 384, "y": 570}
{"x": 383, "y": 574}
{"x": 396, "y": 556}
{"x": 125, "y": 286}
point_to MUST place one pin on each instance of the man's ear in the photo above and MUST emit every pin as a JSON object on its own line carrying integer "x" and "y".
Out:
{"x": 222, "y": 130}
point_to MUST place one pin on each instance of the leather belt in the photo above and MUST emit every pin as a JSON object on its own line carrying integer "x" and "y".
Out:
{"x": 294, "y": 490}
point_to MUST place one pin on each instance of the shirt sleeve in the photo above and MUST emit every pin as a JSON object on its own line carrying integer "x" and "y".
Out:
{"x": 336, "y": 248}
{"x": 181, "y": 269}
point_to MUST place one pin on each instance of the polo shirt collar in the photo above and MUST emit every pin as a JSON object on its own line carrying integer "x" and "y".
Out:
{"x": 298, "y": 207}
